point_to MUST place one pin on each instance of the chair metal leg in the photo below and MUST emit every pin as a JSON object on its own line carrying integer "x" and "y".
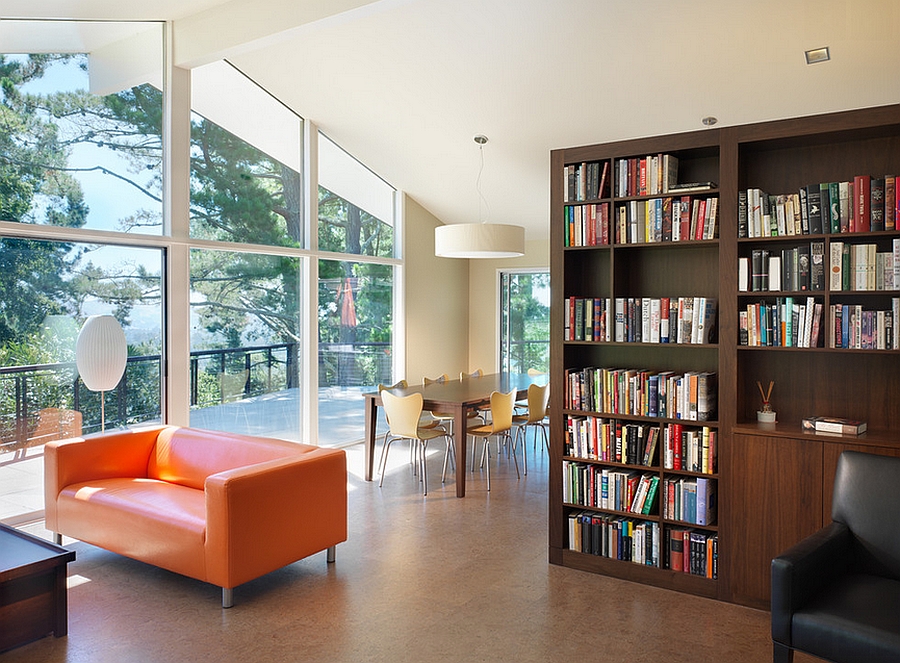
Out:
{"x": 487, "y": 453}
{"x": 508, "y": 437}
{"x": 387, "y": 448}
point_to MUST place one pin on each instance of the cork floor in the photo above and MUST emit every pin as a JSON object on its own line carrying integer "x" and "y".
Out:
{"x": 419, "y": 579}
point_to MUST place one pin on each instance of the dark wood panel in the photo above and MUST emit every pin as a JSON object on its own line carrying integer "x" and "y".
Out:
{"x": 775, "y": 493}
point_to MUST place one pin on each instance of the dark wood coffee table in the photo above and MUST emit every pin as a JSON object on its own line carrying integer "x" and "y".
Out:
{"x": 32, "y": 588}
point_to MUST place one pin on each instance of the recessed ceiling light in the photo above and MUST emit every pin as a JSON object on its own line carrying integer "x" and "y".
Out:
{"x": 709, "y": 120}
{"x": 817, "y": 55}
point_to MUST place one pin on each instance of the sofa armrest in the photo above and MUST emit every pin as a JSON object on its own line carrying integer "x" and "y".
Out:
{"x": 802, "y": 570}
{"x": 264, "y": 516}
{"x": 121, "y": 453}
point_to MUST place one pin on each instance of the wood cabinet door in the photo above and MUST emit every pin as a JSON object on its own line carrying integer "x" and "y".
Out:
{"x": 775, "y": 497}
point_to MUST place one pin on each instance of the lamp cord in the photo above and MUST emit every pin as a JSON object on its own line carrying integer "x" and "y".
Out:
{"x": 481, "y": 198}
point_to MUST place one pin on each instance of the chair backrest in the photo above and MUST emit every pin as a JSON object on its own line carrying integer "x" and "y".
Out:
{"x": 402, "y": 413}
{"x": 502, "y": 406}
{"x": 400, "y": 384}
{"x": 438, "y": 380}
{"x": 477, "y": 373}
{"x": 867, "y": 500}
{"x": 538, "y": 398}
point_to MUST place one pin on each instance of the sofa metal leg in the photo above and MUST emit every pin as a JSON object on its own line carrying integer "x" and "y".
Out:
{"x": 57, "y": 538}
{"x": 329, "y": 555}
{"x": 781, "y": 653}
{"x": 227, "y": 597}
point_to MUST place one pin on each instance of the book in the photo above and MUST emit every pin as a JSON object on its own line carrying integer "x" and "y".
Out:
{"x": 834, "y": 425}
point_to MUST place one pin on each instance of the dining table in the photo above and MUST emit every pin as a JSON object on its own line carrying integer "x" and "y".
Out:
{"x": 456, "y": 397}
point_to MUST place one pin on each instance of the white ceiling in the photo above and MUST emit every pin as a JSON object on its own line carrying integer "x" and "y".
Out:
{"x": 404, "y": 85}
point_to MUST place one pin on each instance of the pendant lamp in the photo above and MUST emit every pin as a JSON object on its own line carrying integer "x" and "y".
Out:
{"x": 100, "y": 356}
{"x": 479, "y": 240}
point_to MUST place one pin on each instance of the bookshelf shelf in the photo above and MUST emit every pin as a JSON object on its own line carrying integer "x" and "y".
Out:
{"x": 773, "y": 482}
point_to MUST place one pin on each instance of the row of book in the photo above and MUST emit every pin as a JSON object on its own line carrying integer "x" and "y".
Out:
{"x": 790, "y": 268}
{"x": 862, "y": 267}
{"x": 646, "y": 176}
{"x": 866, "y": 204}
{"x": 586, "y": 225}
{"x": 784, "y": 323}
{"x": 632, "y": 391}
{"x": 628, "y": 491}
{"x": 688, "y": 320}
{"x": 850, "y": 267}
{"x": 690, "y": 499}
{"x": 689, "y": 448}
{"x": 616, "y": 538}
{"x": 667, "y": 220}
{"x": 585, "y": 181}
{"x": 863, "y": 329}
{"x": 679, "y": 549}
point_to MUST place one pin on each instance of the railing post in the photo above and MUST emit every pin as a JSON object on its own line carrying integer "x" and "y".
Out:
{"x": 122, "y": 397}
{"x": 247, "y": 367}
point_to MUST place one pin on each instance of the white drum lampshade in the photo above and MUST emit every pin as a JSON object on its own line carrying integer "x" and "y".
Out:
{"x": 101, "y": 353}
{"x": 479, "y": 240}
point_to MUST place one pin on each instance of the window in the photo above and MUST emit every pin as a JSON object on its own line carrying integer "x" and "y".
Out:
{"x": 82, "y": 232}
{"x": 246, "y": 183}
{"x": 355, "y": 343}
{"x": 47, "y": 290}
{"x": 245, "y": 332}
{"x": 82, "y": 144}
{"x": 524, "y": 321}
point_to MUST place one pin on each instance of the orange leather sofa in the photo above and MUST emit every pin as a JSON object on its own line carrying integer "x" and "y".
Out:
{"x": 219, "y": 507}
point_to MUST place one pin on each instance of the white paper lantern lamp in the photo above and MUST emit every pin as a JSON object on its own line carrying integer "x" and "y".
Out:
{"x": 100, "y": 355}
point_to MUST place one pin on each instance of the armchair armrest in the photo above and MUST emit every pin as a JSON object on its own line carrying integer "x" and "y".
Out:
{"x": 122, "y": 453}
{"x": 804, "y": 568}
{"x": 297, "y": 506}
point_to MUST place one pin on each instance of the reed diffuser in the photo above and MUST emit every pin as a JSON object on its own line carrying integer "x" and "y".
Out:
{"x": 767, "y": 414}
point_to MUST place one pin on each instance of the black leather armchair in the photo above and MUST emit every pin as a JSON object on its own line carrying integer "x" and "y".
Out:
{"x": 836, "y": 594}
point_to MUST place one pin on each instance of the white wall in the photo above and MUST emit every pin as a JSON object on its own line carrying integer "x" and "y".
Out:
{"x": 437, "y": 302}
{"x": 484, "y": 307}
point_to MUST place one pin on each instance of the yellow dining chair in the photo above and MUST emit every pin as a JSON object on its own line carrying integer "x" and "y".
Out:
{"x": 402, "y": 413}
{"x": 538, "y": 398}
{"x": 425, "y": 421}
{"x": 499, "y": 426}
{"x": 481, "y": 411}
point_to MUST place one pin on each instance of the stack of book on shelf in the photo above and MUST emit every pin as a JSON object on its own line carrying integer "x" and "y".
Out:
{"x": 790, "y": 268}
{"x": 867, "y": 204}
{"x": 785, "y": 323}
{"x": 693, "y": 552}
{"x": 834, "y": 425}
{"x": 666, "y": 394}
{"x": 863, "y": 329}
{"x": 614, "y": 537}
{"x": 641, "y": 319}
{"x": 611, "y": 440}
{"x": 667, "y": 220}
{"x": 587, "y": 318}
{"x": 601, "y": 487}
{"x": 585, "y": 181}
{"x": 646, "y": 176}
{"x": 586, "y": 225}
{"x": 690, "y": 499}
{"x": 860, "y": 267}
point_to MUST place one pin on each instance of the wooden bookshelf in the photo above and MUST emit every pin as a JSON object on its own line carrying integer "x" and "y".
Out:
{"x": 774, "y": 484}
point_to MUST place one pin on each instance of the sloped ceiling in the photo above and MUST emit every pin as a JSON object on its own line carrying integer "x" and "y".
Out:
{"x": 404, "y": 85}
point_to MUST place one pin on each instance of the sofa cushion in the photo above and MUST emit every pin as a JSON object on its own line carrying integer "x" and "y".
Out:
{"x": 856, "y": 618}
{"x": 187, "y": 456}
{"x": 156, "y": 522}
